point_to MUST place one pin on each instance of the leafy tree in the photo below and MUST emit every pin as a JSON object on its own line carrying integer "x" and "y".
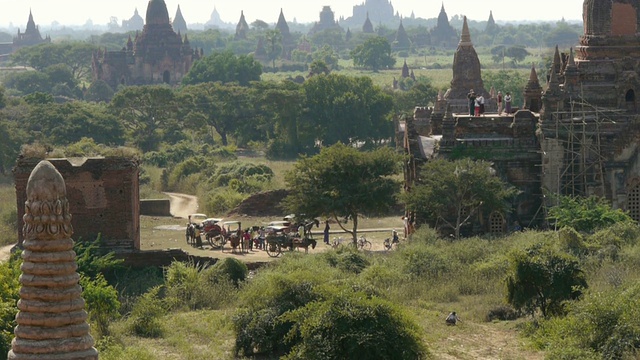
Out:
{"x": 145, "y": 112}
{"x": 562, "y": 35}
{"x": 586, "y": 214}
{"x": 506, "y": 81}
{"x": 542, "y": 278}
{"x": 28, "y": 82}
{"x": 515, "y": 53}
{"x": 66, "y": 123}
{"x": 327, "y": 55}
{"x": 450, "y": 193}
{"x": 224, "y": 67}
{"x": 318, "y": 67}
{"x": 217, "y": 105}
{"x": 273, "y": 46}
{"x": 343, "y": 182}
{"x": 99, "y": 91}
{"x": 374, "y": 53}
{"x": 73, "y": 54}
{"x": 347, "y": 109}
{"x": 283, "y": 105}
{"x": 421, "y": 93}
{"x": 61, "y": 74}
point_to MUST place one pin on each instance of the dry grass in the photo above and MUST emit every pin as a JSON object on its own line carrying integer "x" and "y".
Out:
{"x": 8, "y": 214}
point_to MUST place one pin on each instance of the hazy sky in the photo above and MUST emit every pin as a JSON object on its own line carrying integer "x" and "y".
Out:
{"x": 77, "y": 12}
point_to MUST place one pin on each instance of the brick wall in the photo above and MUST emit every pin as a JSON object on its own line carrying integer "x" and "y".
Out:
{"x": 103, "y": 198}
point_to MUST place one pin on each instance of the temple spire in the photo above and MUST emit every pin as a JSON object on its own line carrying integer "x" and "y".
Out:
{"x": 465, "y": 38}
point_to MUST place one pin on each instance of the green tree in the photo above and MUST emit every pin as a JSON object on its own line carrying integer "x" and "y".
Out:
{"x": 224, "y": 67}
{"x": 274, "y": 46}
{"x": 374, "y": 53}
{"x": 220, "y": 106}
{"x": 63, "y": 124}
{"x": 586, "y": 214}
{"x": 327, "y": 55}
{"x": 342, "y": 182}
{"x": 28, "y": 82}
{"x": 146, "y": 112}
{"x": 347, "y": 109}
{"x": 450, "y": 193}
{"x": 73, "y": 54}
{"x": 99, "y": 91}
{"x": 541, "y": 278}
{"x": 318, "y": 67}
{"x": 506, "y": 81}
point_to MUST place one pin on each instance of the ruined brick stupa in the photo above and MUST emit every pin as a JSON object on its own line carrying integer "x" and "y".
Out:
{"x": 52, "y": 322}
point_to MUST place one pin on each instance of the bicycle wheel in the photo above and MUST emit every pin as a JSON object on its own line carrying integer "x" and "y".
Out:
{"x": 366, "y": 245}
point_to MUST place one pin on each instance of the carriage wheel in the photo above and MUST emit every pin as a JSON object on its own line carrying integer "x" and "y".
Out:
{"x": 274, "y": 249}
{"x": 215, "y": 241}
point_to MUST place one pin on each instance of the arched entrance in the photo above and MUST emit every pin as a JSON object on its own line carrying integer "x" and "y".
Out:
{"x": 166, "y": 77}
{"x": 633, "y": 201}
{"x": 630, "y": 100}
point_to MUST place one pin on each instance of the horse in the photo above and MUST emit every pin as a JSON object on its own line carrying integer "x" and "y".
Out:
{"x": 235, "y": 241}
{"x": 303, "y": 243}
{"x": 190, "y": 233}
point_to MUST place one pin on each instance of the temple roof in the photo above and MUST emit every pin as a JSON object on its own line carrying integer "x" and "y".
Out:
{"x": 157, "y": 13}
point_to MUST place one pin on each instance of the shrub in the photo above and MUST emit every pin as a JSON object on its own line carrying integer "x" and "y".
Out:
{"x": 541, "y": 278}
{"x": 221, "y": 201}
{"x": 195, "y": 287}
{"x": 257, "y": 328}
{"x": 352, "y": 326}
{"x": 502, "y": 312}
{"x": 572, "y": 241}
{"x": 586, "y": 214}
{"x": 347, "y": 259}
{"x": 604, "y": 325}
{"x": 230, "y": 269}
{"x": 92, "y": 259}
{"x": 146, "y": 315}
{"x": 101, "y": 300}
{"x": 425, "y": 262}
{"x": 9, "y": 295}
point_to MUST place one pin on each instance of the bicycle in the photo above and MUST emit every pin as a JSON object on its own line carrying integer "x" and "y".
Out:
{"x": 363, "y": 243}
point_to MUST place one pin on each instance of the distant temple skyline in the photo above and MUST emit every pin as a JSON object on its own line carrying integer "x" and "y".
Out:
{"x": 297, "y": 12}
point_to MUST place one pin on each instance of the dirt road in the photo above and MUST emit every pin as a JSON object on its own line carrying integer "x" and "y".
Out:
{"x": 182, "y": 204}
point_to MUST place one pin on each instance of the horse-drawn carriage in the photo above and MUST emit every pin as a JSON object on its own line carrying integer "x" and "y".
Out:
{"x": 283, "y": 236}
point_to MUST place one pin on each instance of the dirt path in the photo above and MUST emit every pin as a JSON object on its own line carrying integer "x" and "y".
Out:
{"x": 182, "y": 204}
{"x": 5, "y": 252}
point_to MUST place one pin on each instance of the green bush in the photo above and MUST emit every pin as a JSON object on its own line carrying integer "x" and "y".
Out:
{"x": 586, "y": 214}
{"x": 242, "y": 171}
{"x": 347, "y": 259}
{"x": 195, "y": 287}
{"x": 604, "y": 325}
{"x": 101, "y": 302}
{"x": 230, "y": 269}
{"x": 9, "y": 296}
{"x": 425, "y": 262}
{"x": 93, "y": 259}
{"x": 220, "y": 201}
{"x": 352, "y": 326}
{"x": 572, "y": 241}
{"x": 541, "y": 278}
{"x": 145, "y": 318}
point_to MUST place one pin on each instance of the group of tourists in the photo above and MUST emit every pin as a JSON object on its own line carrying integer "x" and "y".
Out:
{"x": 477, "y": 102}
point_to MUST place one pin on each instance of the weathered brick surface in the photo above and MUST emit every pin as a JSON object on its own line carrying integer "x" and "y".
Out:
{"x": 103, "y": 197}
